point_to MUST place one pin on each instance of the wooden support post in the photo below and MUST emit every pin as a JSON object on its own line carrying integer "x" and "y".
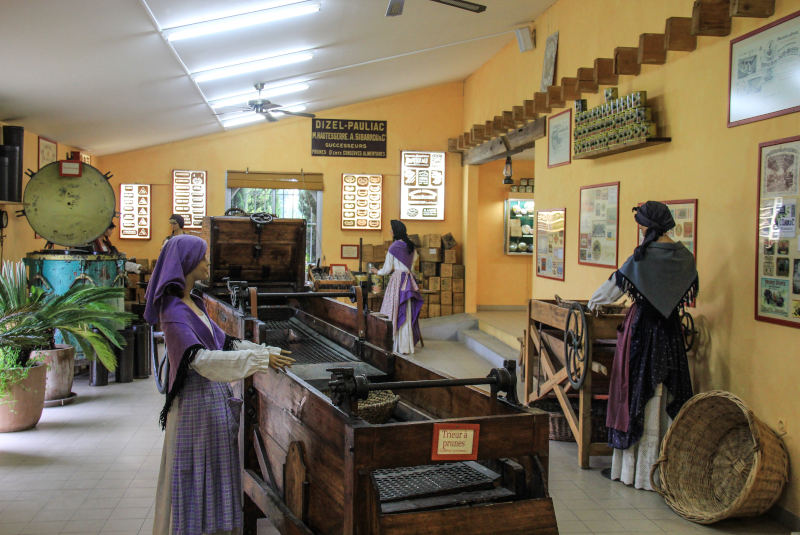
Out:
{"x": 711, "y": 17}
{"x": 540, "y": 103}
{"x": 652, "y": 49}
{"x": 528, "y": 110}
{"x": 513, "y": 142}
{"x": 518, "y": 113}
{"x": 554, "y": 99}
{"x": 586, "y": 82}
{"x": 752, "y": 8}
{"x": 604, "y": 72}
{"x": 478, "y": 133}
{"x": 626, "y": 60}
{"x": 584, "y": 439}
{"x": 569, "y": 89}
{"x": 678, "y": 34}
{"x": 508, "y": 120}
{"x": 452, "y": 144}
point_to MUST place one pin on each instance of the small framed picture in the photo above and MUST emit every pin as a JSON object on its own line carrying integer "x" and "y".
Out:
{"x": 349, "y": 251}
{"x": 338, "y": 269}
{"x": 48, "y": 151}
{"x": 559, "y": 139}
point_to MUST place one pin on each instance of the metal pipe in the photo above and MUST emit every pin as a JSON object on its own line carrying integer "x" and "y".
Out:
{"x": 349, "y": 293}
{"x": 430, "y": 383}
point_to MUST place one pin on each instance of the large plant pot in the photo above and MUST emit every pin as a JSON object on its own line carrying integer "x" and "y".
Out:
{"x": 60, "y": 371}
{"x": 23, "y": 406}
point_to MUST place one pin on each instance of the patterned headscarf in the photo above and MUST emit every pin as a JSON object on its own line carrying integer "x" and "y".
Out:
{"x": 657, "y": 218}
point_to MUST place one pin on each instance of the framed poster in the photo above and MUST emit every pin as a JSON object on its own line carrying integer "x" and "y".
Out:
{"x": 549, "y": 63}
{"x": 48, "y": 151}
{"x": 362, "y": 197}
{"x": 598, "y": 228}
{"x": 349, "y": 251}
{"x": 189, "y": 196}
{"x": 763, "y": 72}
{"x": 778, "y": 235}
{"x": 559, "y": 138}
{"x": 338, "y": 269}
{"x": 422, "y": 185}
{"x": 684, "y": 212}
{"x": 134, "y": 211}
{"x": 551, "y": 226}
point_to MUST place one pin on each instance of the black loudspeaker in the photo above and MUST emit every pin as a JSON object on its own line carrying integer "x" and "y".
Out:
{"x": 15, "y": 135}
{"x": 9, "y": 158}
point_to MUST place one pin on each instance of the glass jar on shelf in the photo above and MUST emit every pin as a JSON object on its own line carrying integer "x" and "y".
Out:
{"x": 519, "y": 224}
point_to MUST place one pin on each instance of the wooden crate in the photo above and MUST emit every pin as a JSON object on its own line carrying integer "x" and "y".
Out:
{"x": 458, "y": 299}
{"x": 450, "y": 256}
{"x": 428, "y": 269}
{"x": 458, "y": 309}
{"x": 447, "y": 310}
{"x": 436, "y": 298}
{"x": 434, "y": 311}
{"x": 434, "y": 283}
{"x": 430, "y": 254}
{"x": 447, "y": 298}
{"x": 446, "y": 270}
{"x": 458, "y": 271}
{"x": 423, "y": 312}
{"x": 448, "y": 241}
{"x": 446, "y": 284}
{"x": 458, "y": 285}
{"x": 367, "y": 252}
{"x": 431, "y": 240}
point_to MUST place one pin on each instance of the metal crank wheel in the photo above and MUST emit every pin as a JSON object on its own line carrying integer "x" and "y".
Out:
{"x": 577, "y": 346}
{"x": 688, "y": 331}
{"x": 261, "y": 218}
{"x": 236, "y": 211}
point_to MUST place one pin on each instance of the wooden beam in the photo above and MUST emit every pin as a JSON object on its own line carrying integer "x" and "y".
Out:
{"x": 540, "y": 103}
{"x": 520, "y": 139}
{"x": 586, "y": 82}
{"x": 452, "y": 145}
{"x": 528, "y": 110}
{"x": 678, "y": 34}
{"x": 569, "y": 89}
{"x": 468, "y": 140}
{"x": 711, "y": 17}
{"x": 489, "y": 129}
{"x": 554, "y": 99}
{"x": 652, "y": 49}
{"x": 626, "y": 60}
{"x": 752, "y": 8}
{"x": 518, "y": 113}
{"x": 478, "y": 133}
{"x": 604, "y": 72}
{"x": 461, "y": 145}
{"x": 508, "y": 120}
{"x": 498, "y": 125}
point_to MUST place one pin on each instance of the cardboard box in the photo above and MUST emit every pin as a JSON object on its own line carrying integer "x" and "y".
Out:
{"x": 446, "y": 270}
{"x": 446, "y": 284}
{"x": 457, "y": 309}
{"x": 435, "y": 299}
{"x": 434, "y": 311}
{"x": 447, "y": 310}
{"x": 423, "y": 312}
{"x": 458, "y": 299}
{"x": 448, "y": 241}
{"x": 431, "y": 240}
{"x": 458, "y": 271}
{"x": 378, "y": 254}
{"x": 428, "y": 269}
{"x": 367, "y": 252}
{"x": 434, "y": 283}
{"x": 447, "y": 298}
{"x": 430, "y": 254}
{"x": 415, "y": 239}
{"x": 458, "y": 285}
{"x": 450, "y": 256}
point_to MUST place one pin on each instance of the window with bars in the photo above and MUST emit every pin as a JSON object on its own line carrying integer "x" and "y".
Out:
{"x": 285, "y": 203}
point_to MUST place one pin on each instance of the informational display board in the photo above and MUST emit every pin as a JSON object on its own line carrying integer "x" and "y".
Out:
{"x": 551, "y": 226}
{"x": 189, "y": 196}
{"x": 422, "y": 182}
{"x": 348, "y": 138}
{"x": 778, "y": 241}
{"x": 684, "y": 212}
{"x": 134, "y": 211}
{"x": 599, "y": 225}
{"x": 362, "y": 197}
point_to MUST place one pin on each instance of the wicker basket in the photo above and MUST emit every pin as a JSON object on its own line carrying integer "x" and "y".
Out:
{"x": 719, "y": 461}
{"x": 559, "y": 427}
{"x": 378, "y": 407}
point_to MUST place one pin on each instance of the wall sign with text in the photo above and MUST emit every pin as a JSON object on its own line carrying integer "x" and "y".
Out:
{"x": 189, "y": 196}
{"x": 422, "y": 185}
{"x": 361, "y": 201}
{"x": 348, "y": 138}
{"x": 455, "y": 442}
{"x": 134, "y": 211}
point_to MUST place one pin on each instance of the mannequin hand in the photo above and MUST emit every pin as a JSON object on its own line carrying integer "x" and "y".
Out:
{"x": 279, "y": 361}
{"x": 373, "y": 270}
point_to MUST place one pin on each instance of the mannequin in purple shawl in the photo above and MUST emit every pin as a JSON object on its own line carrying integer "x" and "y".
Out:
{"x": 199, "y": 482}
{"x": 402, "y": 301}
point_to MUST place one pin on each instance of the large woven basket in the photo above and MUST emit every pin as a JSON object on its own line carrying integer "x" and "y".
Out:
{"x": 719, "y": 461}
{"x": 378, "y": 407}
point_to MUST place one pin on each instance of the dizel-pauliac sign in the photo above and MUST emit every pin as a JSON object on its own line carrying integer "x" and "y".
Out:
{"x": 348, "y": 138}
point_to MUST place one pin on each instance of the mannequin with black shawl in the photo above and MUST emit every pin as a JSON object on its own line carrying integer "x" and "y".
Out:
{"x": 402, "y": 301}
{"x": 199, "y": 482}
{"x": 650, "y": 379}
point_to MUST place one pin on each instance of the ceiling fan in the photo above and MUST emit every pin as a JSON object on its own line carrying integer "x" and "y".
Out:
{"x": 268, "y": 109}
{"x": 395, "y": 7}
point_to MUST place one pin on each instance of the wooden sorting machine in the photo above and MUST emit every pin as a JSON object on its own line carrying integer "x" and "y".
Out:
{"x": 450, "y": 458}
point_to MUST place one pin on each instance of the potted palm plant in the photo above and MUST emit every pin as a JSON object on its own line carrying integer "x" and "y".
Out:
{"x": 28, "y": 319}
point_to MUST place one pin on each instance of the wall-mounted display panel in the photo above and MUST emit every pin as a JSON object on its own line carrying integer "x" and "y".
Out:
{"x": 189, "y": 196}
{"x": 551, "y": 226}
{"x": 362, "y": 198}
{"x": 599, "y": 225}
{"x": 422, "y": 182}
{"x": 134, "y": 211}
{"x": 519, "y": 225}
{"x": 684, "y": 212}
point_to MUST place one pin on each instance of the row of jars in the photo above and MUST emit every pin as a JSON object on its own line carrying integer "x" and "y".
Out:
{"x": 612, "y": 138}
{"x": 627, "y": 117}
{"x": 612, "y": 106}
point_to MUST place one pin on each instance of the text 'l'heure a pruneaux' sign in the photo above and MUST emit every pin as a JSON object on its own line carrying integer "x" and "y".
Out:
{"x": 348, "y": 138}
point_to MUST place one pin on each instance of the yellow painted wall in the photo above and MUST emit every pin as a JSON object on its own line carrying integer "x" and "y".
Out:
{"x": 705, "y": 160}
{"x": 503, "y": 280}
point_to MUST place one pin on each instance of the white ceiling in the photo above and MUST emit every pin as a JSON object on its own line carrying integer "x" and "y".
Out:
{"x": 97, "y": 74}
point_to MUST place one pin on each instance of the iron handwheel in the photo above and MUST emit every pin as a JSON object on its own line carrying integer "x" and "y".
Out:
{"x": 687, "y": 329}
{"x": 577, "y": 346}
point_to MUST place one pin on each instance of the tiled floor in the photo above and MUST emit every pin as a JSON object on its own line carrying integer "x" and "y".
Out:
{"x": 91, "y": 468}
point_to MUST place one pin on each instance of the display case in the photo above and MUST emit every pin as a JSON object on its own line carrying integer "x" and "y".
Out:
{"x": 519, "y": 224}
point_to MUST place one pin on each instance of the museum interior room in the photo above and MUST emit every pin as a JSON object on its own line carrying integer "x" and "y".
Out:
{"x": 399, "y": 266}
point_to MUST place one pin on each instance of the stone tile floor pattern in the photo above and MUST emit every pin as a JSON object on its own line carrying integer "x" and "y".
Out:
{"x": 91, "y": 468}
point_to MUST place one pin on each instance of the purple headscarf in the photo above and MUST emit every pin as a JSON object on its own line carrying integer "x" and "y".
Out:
{"x": 179, "y": 257}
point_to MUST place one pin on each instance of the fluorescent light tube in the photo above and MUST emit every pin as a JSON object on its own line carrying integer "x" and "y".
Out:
{"x": 244, "y": 119}
{"x": 243, "y": 20}
{"x": 463, "y": 4}
{"x": 251, "y": 66}
{"x": 268, "y": 92}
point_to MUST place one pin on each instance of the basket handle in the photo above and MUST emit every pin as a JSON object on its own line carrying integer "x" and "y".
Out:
{"x": 653, "y": 469}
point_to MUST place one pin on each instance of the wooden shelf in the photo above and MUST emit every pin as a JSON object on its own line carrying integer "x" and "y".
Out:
{"x": 623, "y": 148}
{"x": 519, "y": 195}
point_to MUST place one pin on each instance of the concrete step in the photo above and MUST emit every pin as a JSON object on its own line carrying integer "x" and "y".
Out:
{"x": 488, "y": 347}
{"x": 504, "y": 336}
{"x": 446, "y": 327}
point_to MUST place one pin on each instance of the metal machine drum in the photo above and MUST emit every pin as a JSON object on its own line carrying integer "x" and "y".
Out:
{"x": 69, "y": 210}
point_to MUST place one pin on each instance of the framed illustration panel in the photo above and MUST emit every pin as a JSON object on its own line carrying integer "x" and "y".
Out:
{"x": 684, "y": 212}
{"x": 598, "y": 228}
{"x": 422, "y": 181}
{"x": 763, "y": 67}
{"x": 551, "y": 229}
{"x": 189, "y": 196}
{"x": 134, "y": 211}
{"x": 48, "y": 151}
{"x": 559, "y": 139}
{"x": 777, "y": 297}
{"x": 338, "y": 269}
{"x": 349, "y": 251}
{"x": 362, "y": 198}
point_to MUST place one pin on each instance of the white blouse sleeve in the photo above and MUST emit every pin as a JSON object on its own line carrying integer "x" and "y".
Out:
{"x": 606, "y": 294}
{"x": 227, "y": 366}
{"x": 388, "y": 265}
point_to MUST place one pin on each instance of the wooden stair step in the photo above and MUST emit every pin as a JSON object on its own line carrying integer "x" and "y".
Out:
{"x": 678, "y": 34}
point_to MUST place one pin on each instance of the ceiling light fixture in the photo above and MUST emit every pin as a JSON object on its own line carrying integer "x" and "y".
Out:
{"x": 261, "y": 64}
{"x": 268, "y": 92}
{"x": 239, "y": 21}
{"x": 507, "y": 171}
{"x": 244, "y": 119}
{"x": 395, "y": 8}
{"x": 463, "y": 4}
